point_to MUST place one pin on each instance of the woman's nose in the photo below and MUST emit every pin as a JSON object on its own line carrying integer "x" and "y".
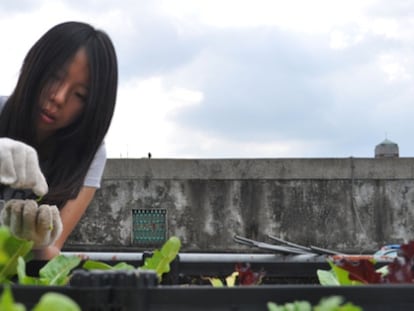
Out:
{"x": 59, "y": 94}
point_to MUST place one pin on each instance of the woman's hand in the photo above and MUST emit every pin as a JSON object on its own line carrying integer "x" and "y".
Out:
{"x": 46, "y": 253}
{"x": 40, "y": 224}
{"x": 19, "y": 167}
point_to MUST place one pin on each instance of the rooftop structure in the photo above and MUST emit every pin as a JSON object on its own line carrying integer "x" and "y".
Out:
{"x": 387, "y": 149}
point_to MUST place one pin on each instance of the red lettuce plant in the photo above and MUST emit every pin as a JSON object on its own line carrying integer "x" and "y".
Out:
{"x": 351, "y": 271}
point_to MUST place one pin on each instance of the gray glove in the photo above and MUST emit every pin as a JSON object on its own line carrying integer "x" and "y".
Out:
{"x": 19, "y": 167}
{"x": 28, "y": 221}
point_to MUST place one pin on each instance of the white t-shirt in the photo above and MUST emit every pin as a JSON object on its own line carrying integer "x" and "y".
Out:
{"x": 94, "y": 175}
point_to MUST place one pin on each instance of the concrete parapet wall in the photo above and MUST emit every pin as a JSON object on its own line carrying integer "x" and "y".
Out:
{"x": 346, "y": 204}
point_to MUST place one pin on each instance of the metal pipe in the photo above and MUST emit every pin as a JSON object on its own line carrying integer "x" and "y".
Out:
{"x": 203, "y": 257}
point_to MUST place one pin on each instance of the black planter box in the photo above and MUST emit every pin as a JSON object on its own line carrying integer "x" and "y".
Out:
{"x": 370, "y": 298}
{"x": 287, "y": 280}
{"x": 200, "y": 298}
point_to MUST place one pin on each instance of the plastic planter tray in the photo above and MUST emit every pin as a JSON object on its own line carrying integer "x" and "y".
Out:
{"x": 188, "y": 267}
{"x": 370, "y": 298}
{"x": 124, "y": 291}
{"x": 96, "y": 290}
{"x": 197, "y": 298}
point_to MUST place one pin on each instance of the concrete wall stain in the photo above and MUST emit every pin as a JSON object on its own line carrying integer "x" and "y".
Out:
{"x": 350, "y": 206}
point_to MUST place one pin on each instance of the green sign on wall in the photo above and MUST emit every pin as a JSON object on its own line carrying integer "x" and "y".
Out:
{"x": 149, "y": 226}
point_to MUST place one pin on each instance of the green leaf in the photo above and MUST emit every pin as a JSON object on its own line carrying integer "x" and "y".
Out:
{"x": 384, "y": 270}
{"x": 11, "y": 248}
{"x": 302, "y": 306}
{"x": 161, "y": 259}
{"x": 56, "y": 301}
{"x": 98, "y": 265}
{"x": 7, "y": 301}
{"x": 290, "y": 306}
{"x": 158, "y": 262}
{"x": 23, "y": 278}
{"x": 327, "y": 278}
{"x": 231, "y": 279}
{"x": 329, "y": 304}
{"x": 271, "y": 306}
{"x": 334, "y": 303}
{"x": 343, "y": 277}
{"x": 57, "y": 270}
{"x": 350, "y": 307}
{"x": 216, "y": 282}
{"x": 123, "y": 266}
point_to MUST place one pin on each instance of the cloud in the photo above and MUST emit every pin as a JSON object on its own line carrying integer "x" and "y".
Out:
{"x": 272, "y": 78}
{"x": 17, "y": 7}
{"x": 154, "y": 48}
{"x": 266, "y": 86}
{"x": 280, "y": 91}
{"x": 140, "y": 124}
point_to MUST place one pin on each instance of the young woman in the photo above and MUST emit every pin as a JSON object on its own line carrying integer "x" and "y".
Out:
{"x": 61, "y": 107}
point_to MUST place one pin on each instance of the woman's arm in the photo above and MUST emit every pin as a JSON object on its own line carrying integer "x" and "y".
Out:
{"x": 71, "y": 213}
{"x": 74, "y": 209}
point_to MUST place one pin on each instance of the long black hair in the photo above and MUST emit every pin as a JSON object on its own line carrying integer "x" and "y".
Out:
{"x": 74, "y": 147}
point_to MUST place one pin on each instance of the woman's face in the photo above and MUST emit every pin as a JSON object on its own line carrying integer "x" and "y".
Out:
{"x": 64, "y": 97}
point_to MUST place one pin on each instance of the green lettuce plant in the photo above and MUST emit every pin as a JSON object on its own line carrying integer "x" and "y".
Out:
{"x": 11, "y": 248}
{"x": 333, "y": 303}
{"x": 7, "y": 301}
{"x": 243, "y": 275}
{"x": 158, "y": 262}
{"x": 55, "y": 272}
{"x": 48, "y": 301}
{"x": 14, "y": 253}
{"x": 349, "y": 271}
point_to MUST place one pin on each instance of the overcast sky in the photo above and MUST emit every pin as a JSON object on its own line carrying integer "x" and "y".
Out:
{"x": 237, "y": 79}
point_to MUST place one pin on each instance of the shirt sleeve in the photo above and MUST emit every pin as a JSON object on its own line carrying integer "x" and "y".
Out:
{"x": 94, "y": 176}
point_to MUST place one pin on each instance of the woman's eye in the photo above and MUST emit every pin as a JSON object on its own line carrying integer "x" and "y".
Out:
{"x": 81, "y": 96}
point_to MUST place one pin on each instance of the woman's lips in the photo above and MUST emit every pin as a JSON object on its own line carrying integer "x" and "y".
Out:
{"x": 46, "y": 118}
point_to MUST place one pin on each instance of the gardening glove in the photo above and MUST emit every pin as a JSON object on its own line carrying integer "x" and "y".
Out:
{"x": 19, "y": 167}
{"x": 26, "y": 220}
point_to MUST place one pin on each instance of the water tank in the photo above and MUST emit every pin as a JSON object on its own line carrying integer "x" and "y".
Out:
{"x": 386, "y": 149}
